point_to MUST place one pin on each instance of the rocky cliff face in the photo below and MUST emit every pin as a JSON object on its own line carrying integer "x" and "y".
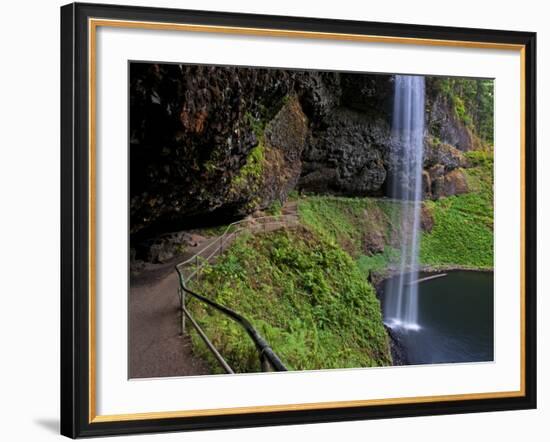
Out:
{"x": 191, "y": 132}
{"x": 348, "y": 147}
{"x": 348, "y": 150}
{"x": 211, "y": 143}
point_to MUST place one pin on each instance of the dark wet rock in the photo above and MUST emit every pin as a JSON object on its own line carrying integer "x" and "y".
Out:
{"x": 443, "y": 124}
{"x": 319, "y": 94}
{"x": 285, "y": 138}
{"x": 443, "y": 154}
{"x": 275, "y": 170}
{"x": 397, "y": 348}
{"x": 193, "y": 131}
{"x": 426, "y": 184}
{"x": 165, "y": 247}
{"x": 436, "y": 171}
{"x": 369, "y": 94}
{"x": 348, "y": 156}
{"x": 442, "y": 176}
{"x": 426, "y": 219}
{"x": 374, "y": 242}
{"x": 453, "y": 183}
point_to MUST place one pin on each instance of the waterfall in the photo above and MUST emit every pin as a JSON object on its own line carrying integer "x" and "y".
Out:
{"x": 401, "y": 308}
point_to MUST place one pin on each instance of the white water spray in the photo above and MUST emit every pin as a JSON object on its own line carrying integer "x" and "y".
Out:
{"x": 401, "y": 309}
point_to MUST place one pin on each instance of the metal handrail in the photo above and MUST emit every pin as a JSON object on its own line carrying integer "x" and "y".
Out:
{"x": 277, "y": 218}
{"x": 229, "y": 235}
{"x": 266, "y": 353}
{"x": 268, "y": 358}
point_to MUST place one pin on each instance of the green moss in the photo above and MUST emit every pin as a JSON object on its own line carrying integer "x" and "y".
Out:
{"x": 462, "y": 233}
{"x": 461, "y": 112}
{"x": 348, "y": 221}
{"x": 306, "y": 290}
{"x": 276, "y": 208}
{"x": 463, "y": 224}
{"x": 306, "y": 296}
{"x": 481, "y": 158}
{"x": 471, "y": 101}
{"x": 257, "y": 124}
{"x": 379, "y": 262}
{"x": 251, "y": 173}
{"x": 210, "y": 166}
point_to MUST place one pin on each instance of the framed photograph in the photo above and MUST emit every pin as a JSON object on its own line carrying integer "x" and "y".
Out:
{"x": 275, "y": 220}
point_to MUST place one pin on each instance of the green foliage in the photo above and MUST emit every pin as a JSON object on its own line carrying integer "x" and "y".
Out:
{"x": 293, "y": 195}
{"x": 306, "y": 296}
{"x": 351, "y": 222}
{"x": 462, "y": 232}
{"x": 210, "y": 166}
{"x": 347, "y": 221}
{"x": 306, "y": 289}
{"x": 251, "y": 173}
{"x": 480, "y": 158}
{"x": 463, "y": 224}
{"x": 250, "y": 176}
{"x": 257, "y": 124}
{"x": 276, "y": 208}
{"x": 461, "y": 112}
{"x": 262, "y": 115}
{"x": 472, "y": 101}
{"x": 379, "y": 261}
{"x": 480, "y": 177}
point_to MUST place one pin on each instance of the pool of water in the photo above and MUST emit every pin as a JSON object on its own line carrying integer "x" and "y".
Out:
{"x": 455, "y": 318}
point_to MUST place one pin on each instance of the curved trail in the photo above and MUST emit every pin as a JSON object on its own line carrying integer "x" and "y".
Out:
{"x": 156, "y": 348}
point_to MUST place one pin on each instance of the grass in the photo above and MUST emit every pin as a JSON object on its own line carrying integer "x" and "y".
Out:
{"x": 352, "y": 223}
{"x": 378, "y": 262}
{"x": 348, "y": 221}
{"x": 305, "y": 295}
{"x": 463, "y": 224}
{"x": 462, "y": 234}
{"x": 306, "y": 290}
{"x": 275, "y": 209}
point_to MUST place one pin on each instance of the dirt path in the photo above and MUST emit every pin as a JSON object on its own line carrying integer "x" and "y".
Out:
{"x": 156, "y": 347}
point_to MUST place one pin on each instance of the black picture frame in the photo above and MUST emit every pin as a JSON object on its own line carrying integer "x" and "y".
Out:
{"x": 75, "y": 220}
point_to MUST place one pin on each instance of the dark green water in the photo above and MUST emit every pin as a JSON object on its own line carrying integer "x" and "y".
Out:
{"x": 456, "y": 319}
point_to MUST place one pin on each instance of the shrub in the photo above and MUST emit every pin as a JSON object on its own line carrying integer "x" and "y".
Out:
{"x": 306, "y": 296}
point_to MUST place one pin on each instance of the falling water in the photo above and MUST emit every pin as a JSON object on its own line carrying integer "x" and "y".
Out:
{"x": 401, "y": 310}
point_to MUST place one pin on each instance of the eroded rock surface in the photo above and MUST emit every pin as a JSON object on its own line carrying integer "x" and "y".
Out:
{"x": 216, "y": 143}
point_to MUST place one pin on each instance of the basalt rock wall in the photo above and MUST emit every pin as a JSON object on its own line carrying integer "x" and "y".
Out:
{"x": 214, "y": 143}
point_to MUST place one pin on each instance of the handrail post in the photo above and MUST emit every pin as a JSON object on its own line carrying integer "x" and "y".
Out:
{"x": 182, "y": 306}
{"x": 269, "y": 361}
{"x": 197, "y": 266}
{"x": 264, "y": 363}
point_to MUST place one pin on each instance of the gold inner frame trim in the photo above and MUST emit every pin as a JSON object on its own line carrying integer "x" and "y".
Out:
{"x": 93, "y": 24}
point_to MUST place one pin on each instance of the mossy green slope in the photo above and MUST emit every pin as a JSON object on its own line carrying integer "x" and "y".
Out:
{"x": 349, "y": 221}
{"x": 306, "y": 289}
{"x": 463, "y": 224}
{"x": 462, "y": 234}
{"x": 304, "y": 294}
